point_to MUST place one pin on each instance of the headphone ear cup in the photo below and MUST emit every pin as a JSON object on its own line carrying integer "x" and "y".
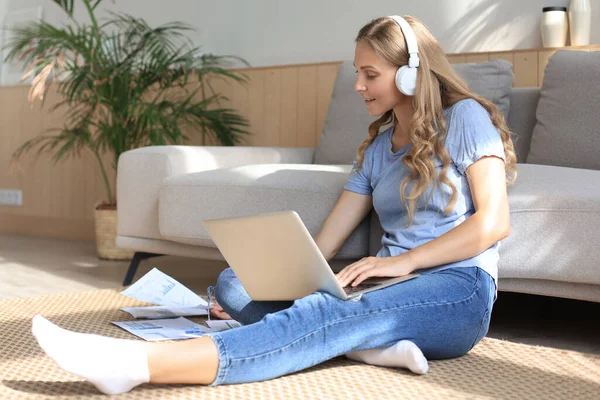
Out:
{"x": 406, "y": 80}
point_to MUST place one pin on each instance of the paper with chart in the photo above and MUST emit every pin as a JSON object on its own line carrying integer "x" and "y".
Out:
{"x": 164, "y": 329}
{"x": 217, "y": 325}
{"x": 158, "y": 288}
{"x": 156, "y": 312}
{"x": 173, "y": 300}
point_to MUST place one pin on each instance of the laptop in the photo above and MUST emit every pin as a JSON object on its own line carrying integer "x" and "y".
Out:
{"x": 275, "y": 258}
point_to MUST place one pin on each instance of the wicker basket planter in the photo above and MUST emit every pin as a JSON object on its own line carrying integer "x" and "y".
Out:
{"x": 106, "y": 233}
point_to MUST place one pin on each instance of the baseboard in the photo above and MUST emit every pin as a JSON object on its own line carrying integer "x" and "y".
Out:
{"x": 63, "y": 228}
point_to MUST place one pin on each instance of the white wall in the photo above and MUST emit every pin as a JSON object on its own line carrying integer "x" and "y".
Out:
{"x": 276, "y": 32}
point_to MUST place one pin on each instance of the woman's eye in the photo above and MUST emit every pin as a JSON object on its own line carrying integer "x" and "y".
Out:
{"x": 368, "y": 76}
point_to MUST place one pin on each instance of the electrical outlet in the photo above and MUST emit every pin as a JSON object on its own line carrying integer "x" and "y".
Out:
{"x": 11, "y": 197}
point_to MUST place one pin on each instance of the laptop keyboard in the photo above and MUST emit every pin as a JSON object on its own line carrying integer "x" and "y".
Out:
{"x": 349, "y": 289}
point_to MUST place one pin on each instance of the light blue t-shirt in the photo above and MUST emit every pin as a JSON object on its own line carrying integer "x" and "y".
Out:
{"x": 470, "y": 136}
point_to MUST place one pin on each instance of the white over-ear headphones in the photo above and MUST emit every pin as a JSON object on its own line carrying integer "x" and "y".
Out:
{"x": 406, "y": 76}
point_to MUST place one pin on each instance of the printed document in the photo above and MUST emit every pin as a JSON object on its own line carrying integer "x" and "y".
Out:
{"x": 158, "y": 288}
{"x": 156, "y": 312}
{"x": 222, "y": 324}
{"x": 164, "y": 329}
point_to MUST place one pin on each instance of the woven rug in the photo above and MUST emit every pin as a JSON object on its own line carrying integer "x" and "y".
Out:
{"x": 493, "y": 369}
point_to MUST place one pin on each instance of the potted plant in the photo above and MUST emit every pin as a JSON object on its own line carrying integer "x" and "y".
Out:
{"x": 124, "y": 85}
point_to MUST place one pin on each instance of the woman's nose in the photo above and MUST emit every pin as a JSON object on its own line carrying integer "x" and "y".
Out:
{"x": 359, "y": 86}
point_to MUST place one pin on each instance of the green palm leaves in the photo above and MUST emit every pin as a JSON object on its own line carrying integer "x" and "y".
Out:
{"x": 124, "y": 85}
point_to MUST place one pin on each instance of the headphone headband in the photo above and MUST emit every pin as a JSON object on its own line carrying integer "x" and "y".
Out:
{"x": 410, "y": 39}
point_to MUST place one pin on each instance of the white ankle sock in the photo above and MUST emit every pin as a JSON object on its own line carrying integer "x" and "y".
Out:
{"x": 404, "y": 354}
{"x": 112, "y": 365}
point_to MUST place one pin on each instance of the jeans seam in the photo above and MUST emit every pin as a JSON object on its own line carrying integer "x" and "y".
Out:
{"x": 477, "y": 285}
{"x": 485, "y": 315}
{"x": 224, "y": 360}
{"x": 488, "y": 310}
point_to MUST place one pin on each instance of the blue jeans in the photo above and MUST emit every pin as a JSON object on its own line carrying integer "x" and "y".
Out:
{"x": 445, "y": 313}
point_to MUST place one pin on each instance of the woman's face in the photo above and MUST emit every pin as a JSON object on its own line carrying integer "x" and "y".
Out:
{"x": 375, "y": 80}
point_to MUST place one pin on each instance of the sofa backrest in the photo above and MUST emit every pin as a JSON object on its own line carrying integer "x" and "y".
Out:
{"x": 347, "y": 121}
{"x": 521, "y": 118}
{"x": 567, "y": 130}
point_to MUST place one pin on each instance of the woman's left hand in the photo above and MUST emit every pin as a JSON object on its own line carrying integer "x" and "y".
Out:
{"x": 375, "y": 267}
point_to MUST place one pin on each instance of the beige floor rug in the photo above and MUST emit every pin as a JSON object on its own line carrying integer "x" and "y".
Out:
{"x": 493, "y": 369}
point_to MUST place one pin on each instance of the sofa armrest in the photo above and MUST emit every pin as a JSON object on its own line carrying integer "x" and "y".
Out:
{"x": 142, "y": 171}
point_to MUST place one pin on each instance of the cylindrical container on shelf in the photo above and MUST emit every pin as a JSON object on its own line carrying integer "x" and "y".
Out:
{"x": 554, "y": 26}
{"x": 580, "y": 21}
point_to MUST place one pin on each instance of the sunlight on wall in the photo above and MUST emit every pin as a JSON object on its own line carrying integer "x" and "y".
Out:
{"x": 487, "y": 25}
{"x": 273, "y": 32}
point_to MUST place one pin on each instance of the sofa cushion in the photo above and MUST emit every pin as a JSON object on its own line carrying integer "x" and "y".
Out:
{"x": 555, "y": 214}
{"x": 492, "y": 80}
{"x": 521, "y": 119}
{"x": 348, "y": 120}
{"x": 185, "y": 201}
{"x": 567, "y": 131}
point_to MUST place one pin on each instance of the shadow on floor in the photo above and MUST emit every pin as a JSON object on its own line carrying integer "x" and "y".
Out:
{"x": 549, "y": 321}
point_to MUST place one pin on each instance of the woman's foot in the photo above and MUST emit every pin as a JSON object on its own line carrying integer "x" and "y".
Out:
{"x": 404, "y": 354}
{"x": 217, "y": 311}
{"x": 112, "y": 365}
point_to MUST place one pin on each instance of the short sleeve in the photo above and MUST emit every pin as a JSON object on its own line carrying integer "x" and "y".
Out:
{"x": 359, "y": 180}
{"x": 472, "y": 135}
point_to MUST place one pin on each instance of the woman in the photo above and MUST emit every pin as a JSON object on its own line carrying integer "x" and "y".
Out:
{"x": 437, "y": 179}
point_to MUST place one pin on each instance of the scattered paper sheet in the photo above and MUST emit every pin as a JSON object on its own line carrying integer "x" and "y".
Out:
{"x": 158, "y": 288}
{"x": 222, "y": 325}
{"x": 156, "y": 312}
{"x": 174, "y": 300}
{"x": 164, "y": 329}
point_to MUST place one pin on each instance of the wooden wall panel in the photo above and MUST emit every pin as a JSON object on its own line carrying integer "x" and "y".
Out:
{"x": 256, "y": 108}
{"x": 52, "y": 190}
{"x": 326, "y": 74}
{"x": 503, "y": 56}
{"x": 235, "y": 100}
{"x": 526, "y": 69}
{"x": 457, "y": 58}
{"x": 286, "y": 106}
{"x": 307, "y": 107}
{"x": 289, "y": 109}
{"x": 272, "y": 104}
{"x": 528, "y": 65}
{"x": 475, "y": 58}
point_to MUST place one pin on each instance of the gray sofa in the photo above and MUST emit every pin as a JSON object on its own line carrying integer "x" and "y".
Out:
{"x": 165, "y": 192}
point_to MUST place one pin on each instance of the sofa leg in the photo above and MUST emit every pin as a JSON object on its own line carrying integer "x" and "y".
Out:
{"x": 135, "y": 262}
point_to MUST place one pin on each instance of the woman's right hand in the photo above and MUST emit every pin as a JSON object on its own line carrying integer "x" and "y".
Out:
{"x": 217, "y": 311}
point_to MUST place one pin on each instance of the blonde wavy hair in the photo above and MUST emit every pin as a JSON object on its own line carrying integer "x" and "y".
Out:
{"x": 438, "y": 87}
